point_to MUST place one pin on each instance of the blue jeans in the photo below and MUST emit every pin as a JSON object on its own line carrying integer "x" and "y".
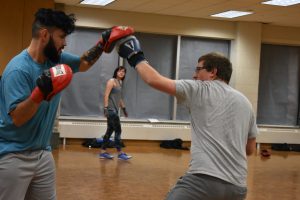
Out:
{"x": 113, "y": 124}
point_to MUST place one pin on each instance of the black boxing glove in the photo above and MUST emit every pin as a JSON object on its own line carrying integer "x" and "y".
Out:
{"x": 130, "y": 49}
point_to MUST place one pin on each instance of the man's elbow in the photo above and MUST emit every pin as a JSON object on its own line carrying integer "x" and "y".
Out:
{"x": 249, "y": 152}
{"x": 251, "y": 146}
{"x": 17, "y": 122}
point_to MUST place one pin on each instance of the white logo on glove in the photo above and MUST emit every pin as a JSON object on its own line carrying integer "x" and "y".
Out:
{"x": 129, "y": 44}
{"x": 59, "y": 70}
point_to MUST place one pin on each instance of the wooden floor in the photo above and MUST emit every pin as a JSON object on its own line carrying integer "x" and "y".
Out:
{"x": 152, "y": 171}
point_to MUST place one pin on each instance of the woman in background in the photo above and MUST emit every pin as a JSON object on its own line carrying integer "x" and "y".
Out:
{"x": 112, "y": 102}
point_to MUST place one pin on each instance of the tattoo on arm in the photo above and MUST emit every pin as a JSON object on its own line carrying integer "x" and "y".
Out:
{"x": 92, "y": 55}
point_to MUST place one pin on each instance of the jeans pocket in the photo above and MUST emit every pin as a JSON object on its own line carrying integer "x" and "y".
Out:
{"x": 111, "y": 113}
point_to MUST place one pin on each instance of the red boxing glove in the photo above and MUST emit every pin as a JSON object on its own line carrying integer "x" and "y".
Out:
{"x": 108, "y": 41}
{"x": 112, "y": 35}
{"x": 51, "y": 82}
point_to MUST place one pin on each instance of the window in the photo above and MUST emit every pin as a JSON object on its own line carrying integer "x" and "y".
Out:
{"x": 278, "y": 98}
{"x": 84, "y": 96}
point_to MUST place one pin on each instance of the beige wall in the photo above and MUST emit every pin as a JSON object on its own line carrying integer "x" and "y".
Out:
{"x": 150, "y": 23}
{"x": 281, "y": 35}
{"x": 16, "y": 17}
{"x": 246, "y": 37}
{"x": 246, "y": 51}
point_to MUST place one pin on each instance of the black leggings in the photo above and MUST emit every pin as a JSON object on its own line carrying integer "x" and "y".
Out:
{"x": 113, "y": 124}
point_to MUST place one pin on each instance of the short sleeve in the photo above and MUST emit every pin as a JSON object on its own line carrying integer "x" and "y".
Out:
{"x": 17, "y": 86}
{"x": 253, "y": 130}
{"x": 72, "y": 60}
{"x": 184, "y": 91}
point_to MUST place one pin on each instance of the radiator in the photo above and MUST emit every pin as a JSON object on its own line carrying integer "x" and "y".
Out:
{"x": 279, "y": 135}
{"x": 143, "y": 130}
{"x": 130, "y": 130}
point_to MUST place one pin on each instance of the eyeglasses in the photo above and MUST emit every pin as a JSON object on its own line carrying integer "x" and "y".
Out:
{"x": 199, "y": 69}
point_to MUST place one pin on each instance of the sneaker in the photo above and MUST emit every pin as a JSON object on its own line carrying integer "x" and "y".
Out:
{"x": 106, "y": 156}
{"x": 124, "y": 156}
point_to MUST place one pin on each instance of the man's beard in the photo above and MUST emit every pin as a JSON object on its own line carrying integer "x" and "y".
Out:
{"x": 50, "y": 51}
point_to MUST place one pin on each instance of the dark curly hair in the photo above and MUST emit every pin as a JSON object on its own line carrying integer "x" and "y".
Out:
{"x": 118, "y": 69}
{"x": 48, "y": 18}
{"x": 217, "y": 61}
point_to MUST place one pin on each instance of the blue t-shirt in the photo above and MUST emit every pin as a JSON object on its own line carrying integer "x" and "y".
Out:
{"x": 17, "y": 83}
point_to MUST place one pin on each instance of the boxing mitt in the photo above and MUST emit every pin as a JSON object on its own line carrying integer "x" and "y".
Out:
{"x": 130, "y": 49}
{"x": 51, "y": 82}
{"x": 107, "y": 41}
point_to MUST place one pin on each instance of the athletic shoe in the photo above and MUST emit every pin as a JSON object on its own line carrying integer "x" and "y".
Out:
{"x": 106, "y": 156}
{"x": 124, "y": 156}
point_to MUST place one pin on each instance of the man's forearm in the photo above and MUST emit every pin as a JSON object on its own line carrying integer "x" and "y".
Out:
{"x": 24, "y": 112}
{"x": 154, "y": 79}
{"x": 86, "y": 64}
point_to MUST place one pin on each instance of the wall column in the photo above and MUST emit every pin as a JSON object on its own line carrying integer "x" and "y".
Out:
{"x": 245, "y": 56}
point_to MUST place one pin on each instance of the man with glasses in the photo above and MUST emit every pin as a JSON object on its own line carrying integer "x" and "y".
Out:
{"x": 223, "y": 125}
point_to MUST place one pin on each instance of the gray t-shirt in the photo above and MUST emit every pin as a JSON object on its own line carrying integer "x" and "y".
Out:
{"x": 222, "y": 120}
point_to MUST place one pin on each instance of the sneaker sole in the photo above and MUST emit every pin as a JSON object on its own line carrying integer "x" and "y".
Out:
{"x": 106, "y": 158}
{"x": 124, "y": 159}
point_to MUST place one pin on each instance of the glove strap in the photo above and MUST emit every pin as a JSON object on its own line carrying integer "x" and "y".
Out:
{"x": 135, "y": 59}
